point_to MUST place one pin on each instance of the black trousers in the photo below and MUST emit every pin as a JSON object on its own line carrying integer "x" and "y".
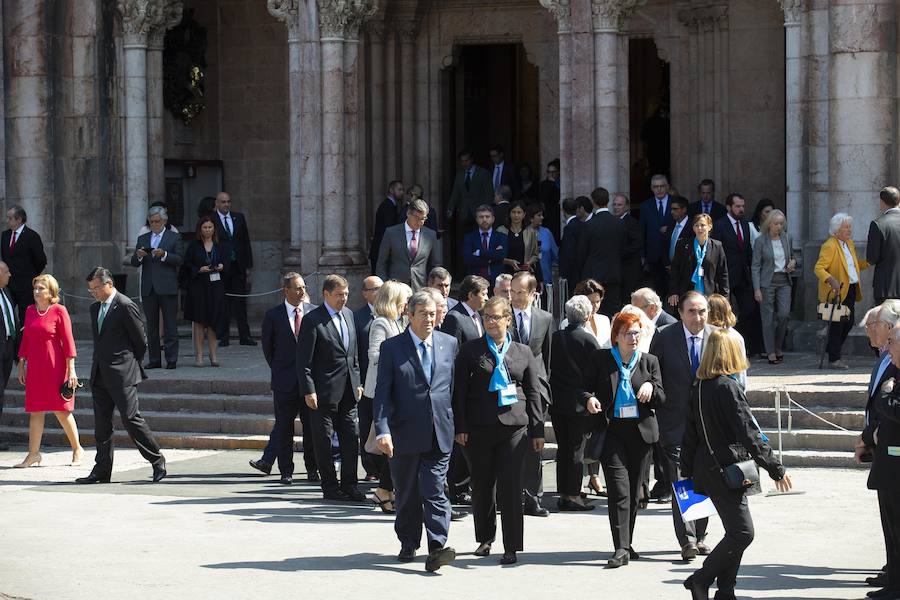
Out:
{"x": 235, "y": 308}
{"x": 495, "y": 455}
{"x": 374, "y": 464}
{"x": 288, "y": 406}
{"x": 571, "y": 433}
{"x": 326, "y": 420}
{"x": 686, "y": 533}
{"x": 168, "y": 303}
{"x": 889, "y": 507}
{"x": 533, "y": 474}
{"x": 624, "y": 458}
{"x": 106, "y": 400}
{"x": 838, "y": 332}
{"x": 723, "y": 562}
{"x": 458, "y": 477}
{"x": 9, "y": 355}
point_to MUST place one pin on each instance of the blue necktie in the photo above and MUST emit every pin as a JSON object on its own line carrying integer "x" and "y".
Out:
{"x": 344, "y": 340}
{"x": 496, "y": 177}
{"x": 673, "y": 242}
{"x": 695, "y": 355}
{"x": 427, "y": 364}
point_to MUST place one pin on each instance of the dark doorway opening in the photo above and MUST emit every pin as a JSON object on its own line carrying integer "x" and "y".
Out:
{"x": 648, "y": 97}
{"x": 490, "y": 97}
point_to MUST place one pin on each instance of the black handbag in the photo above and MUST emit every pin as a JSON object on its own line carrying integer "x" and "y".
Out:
{"x": 737, "y": 476}
{"x": 66, "y": 391}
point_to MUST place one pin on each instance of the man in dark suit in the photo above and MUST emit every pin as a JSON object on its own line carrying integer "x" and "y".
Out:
{"x": 576, "y": 211}
{"x": 22, "y": 250}
{"x": 408, "y": 249}
{"x": 679, "y": 348}
{"x": 707, "y": 203}
{"x": 485, "y": 248}
{"x": 471, "y": 188}
{"x": 680, "y": 229}
{"x": 159, "y": 253}
{"x": 600, "y": 247}
{"x": 231, "y": 228}
{"x": 655, "y": 220}
{"x": 548, "y": 195}
{"x": 533, "y": 327}
{"x": 734, "y": 233}
{"x": 119, "y": 346}
{"x": 632, "y": 273}
{"x": 502, "y": 198}
{"x": 649, "y": 301}
{"x": 883, "y": 246}
{"x": 388, "y": 214}
{"x": 328, "y": 372}
{"x": 9, "y": 332}
{"x": 413, "y": 418}
{"x": 502, "y": 172}
{"x": 280, "y": 330}
{"x": 362, "y": 319}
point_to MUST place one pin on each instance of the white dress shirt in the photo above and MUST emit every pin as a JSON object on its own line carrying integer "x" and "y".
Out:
{"x": 227, "y": 221}
{"x": 409, "y": 234}
{"x": 687, "y": 338}
{"x": 340, "y": 324}
{"x": 778, "y": 254}
{"x": 290, "y": 313}
{"x": 526, "y": 316}
{"x": 851, "y": 266}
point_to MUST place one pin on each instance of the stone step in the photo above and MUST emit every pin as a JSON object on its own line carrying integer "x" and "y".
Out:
{"x": 184, "y": 403}
{"x": 813, "y": 439}
{"x": 820, "y": 458}
{"x": 852, "y": 419}
{"x": 852, "y": 396}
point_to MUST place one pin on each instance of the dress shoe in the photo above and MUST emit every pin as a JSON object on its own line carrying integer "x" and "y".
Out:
{"x": 837, "y": 365}
{"x": 886, "y": 593}
{"x": 153, "y": 366}
{"x": 224, "y": 343}
{"x": 371, "y": 478}
{"x": 664, "y": 498}
{"x": 879, "y": 580}
{"x": 406, "y": 554}
{"x": 77, "y": 456}
{"x": 159, "y": 473}
{"x": 659, "y": 490}
{"x": 355, "y": 495}
{"x": 312, "y": 477}
{"x": 461, "y": 498}
{"x": 725, "y": 595}
{"x": 619, "y": 559}
{"x": 483, "y": 549}
{"x": 335, "y": 495}
{"x": 509, "y": 558}
{"x": 633, "y": 555}
{"x": 4, "y": 446}
{"x": 31, "y": 460}
{"x": 286, "y": 480}
{"x": 439, "y": 558}
{"x": 171, "y": 365}
{"x": 697, "y": 589}
{"x": 703, "y": 549}
{"x": 248, "y": 342}
{"x": 93, "y": 478}
{"x": 534, "y": 509}
{"x": 566, "y": 505}
{"x": 689, "y": 551}
{"x": 456, "y": 515}
{"x": 261, "y": 465}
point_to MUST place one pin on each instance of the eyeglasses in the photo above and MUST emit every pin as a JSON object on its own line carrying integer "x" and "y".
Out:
{"x": 635, "y": 334}
{"x": 374, "y": 289}
{"x": 493, "y": 318}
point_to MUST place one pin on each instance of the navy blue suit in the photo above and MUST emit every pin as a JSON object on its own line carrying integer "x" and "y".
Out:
{"x": 656, "y": 250}
{"x": 279, "y": 346}
{"x": 362, "y": 319}
{"x": 489, "y": 265}
{"x": 418, "y": 414}
{"x": 568, "y": 252}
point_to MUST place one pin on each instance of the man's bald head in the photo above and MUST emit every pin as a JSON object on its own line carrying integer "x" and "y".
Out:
{"x": 370, "y": 287}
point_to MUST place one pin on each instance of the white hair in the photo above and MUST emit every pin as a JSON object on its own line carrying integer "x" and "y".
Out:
{"x": 838, "y": 220}
{"x": 647, "y": 327}
{"x": 578, "y": 309}
{"x": 647, "y": 295}
{"x": 889, "y": 312}
{"x": 502, "y": 277}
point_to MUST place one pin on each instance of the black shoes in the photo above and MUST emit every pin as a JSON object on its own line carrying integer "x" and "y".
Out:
{"x": 261, "y": 465}
{"x": 456, "y": 515}
{"x": 406, "y": 554}
{"x": 159, "y": 474}
{"x": 509, "y": 558}
{"x": 311, "y": 476}
{"x": 248, "y": 342}
{"x": 885, "y": 594}
{"x": 689, "y": 551}
{"x": 170, "y": 365}
{"x": 725, "y": 595}
{"x": 93, "y": 478}
{"x": 224, "y": 343}
{"x": 632, "y": 554}
{"x": 702, "y": 549}
{"x": 335, "y": 495}
{"x": 354, "y": 495}
{"x": 286, "y": 480}
{"x": 566, "y": 505}
{"x": 461, "y": 498}
{"x": 879, "y": 580}
{"x": 697, "y": 589}
{"x": 619, "y": 559}
{"x": 153, "y": 366}
{"x": 439, "y": 558}
{"x": 534, "y": 509}
{"x": 483, "y": 549}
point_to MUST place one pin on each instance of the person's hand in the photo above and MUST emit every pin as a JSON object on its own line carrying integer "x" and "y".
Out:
{"x": 386, "y": 445}
{"x": 757, "y": 295}
{"x": 312, "y": 401}
{"x": 461, "y": 438}
{"x": 645, "y": 392}
{"x": 203, "y": 269}
{"x": 537, "y": 444}
{"x": 359, "y": 393}
{"x": 72, "y": 380}
{"x": 835, "y": 285}
{"x": 21, "y": 372}
{"x": 875, "y": 436}
{"x": 859, "y": 451}
{"x": 663, "y": 229}
{"x": 790, "y": 266}
{"x": 220, "y": 267}
{"x": 784, "y": 484}
{"x": 673, "y": 300}
{"x": 158, "y": 252}
{"x": 593, "y": 405}
{"x": 141, "y": 253}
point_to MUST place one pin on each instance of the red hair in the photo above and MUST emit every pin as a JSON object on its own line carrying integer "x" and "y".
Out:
{"x": 621, "y": 321}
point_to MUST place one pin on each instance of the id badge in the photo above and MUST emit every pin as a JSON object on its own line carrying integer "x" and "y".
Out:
{"x": 628, "y": 412}
{"x": 214, "y": 277}
{"x": 700, "y": 271}
{"x": 508, "y": 395}
{"x": 893, "y": 450}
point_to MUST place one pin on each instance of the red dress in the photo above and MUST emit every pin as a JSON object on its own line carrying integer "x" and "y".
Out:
{"x": 46, "y": 344}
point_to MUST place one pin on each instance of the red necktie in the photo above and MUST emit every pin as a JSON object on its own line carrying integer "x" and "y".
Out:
{"x": 740, "y": 234}
{"x": 297, "y": 318}
{"x": 413, "y": 246}
{"x": 12, "y": 242}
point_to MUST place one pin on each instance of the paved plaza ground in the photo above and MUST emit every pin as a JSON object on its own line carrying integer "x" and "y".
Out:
{"x": 216, "y": 529}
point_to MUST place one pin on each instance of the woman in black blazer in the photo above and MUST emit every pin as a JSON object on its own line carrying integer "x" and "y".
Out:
{"x": 712, "y": 277}
{"x": 718, "y": 399}
{"x": 570, "y": 376}
{"x": 627, "y": 386}
{"x": 494, "y": 410}
{"x": 204, "y": 306}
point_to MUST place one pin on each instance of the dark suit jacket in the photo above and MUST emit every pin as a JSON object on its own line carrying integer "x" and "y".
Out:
{"x": 362, "y": 318}
{"x": 671, "y": 350}
{"x": 324, "y": 366}
{"x": 279, "y": 346}
{"x": 634, "y": 242}
{"x": 715, "y": 268}
{"x": 387, "y": 215}
{"x": 883, "y": 251}
{"x": 655, "y": 249}
{"x": 25, "y": 262}
{"x": 236, "y": 247}
{"x": 497, "y": 249}
{"x": 686, "y": 233}
{"x": 509, "y": 176}
{"x": 570, "y": 369}
{"x": 718, "y": 210}
{"x": 600, "y": 246}
{"x": 481, "y": 191}
{"x": 160, "y": 276}
{"x": 568, "y": 251}
{"x": 394, "y": 261}
{"x": 474, "y": 406}
{"x": 664, "y": 319}
{"x": 17, "y": 328}
{"x": 120, "y": 347}
{"x": 885, "y": 474}
{"x": 548, "y": 194}
{"x": 871, "y": 416}
{"x": 739, "y": 261}
{"x": 605, "y": 383}
{"x": 460, "y": 325}
{"x": 539, "y": 342}
{"x": 406, "y": 406}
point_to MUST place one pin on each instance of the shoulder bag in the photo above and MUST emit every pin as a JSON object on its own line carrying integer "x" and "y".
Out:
{"x": 737, "y": 476}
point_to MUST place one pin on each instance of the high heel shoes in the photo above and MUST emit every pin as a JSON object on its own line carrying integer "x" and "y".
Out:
{"x": 383, "y": 504}
{"x": 32, "y": 460}
{"x": 595, "y": 487}
{"x": 619, "y": 559}
{"x": 77, "y": 455}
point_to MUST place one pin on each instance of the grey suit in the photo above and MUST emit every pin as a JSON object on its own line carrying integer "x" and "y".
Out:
{"x": 775, "y": 308}
{"x": 883, "y": 251}
{"x": 159, "y": 291}
{"x": 664, "y": 319}
{"x": 394, "y": 261}
{"x": 467, "y": 198}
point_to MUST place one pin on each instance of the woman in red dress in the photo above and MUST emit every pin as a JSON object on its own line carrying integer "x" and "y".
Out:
{"x": 46, "y": 360}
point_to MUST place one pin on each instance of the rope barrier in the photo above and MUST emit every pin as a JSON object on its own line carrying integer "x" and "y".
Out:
{"x": 800, "y": 406}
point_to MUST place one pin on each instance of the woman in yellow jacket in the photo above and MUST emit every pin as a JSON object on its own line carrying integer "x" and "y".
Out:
{"x": 838, "y": 271}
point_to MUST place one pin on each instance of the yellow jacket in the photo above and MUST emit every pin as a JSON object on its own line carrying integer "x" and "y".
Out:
{"x": 832, "y": 262}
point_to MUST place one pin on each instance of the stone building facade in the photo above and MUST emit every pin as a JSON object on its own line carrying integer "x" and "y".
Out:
{"x": 309, "y": 107}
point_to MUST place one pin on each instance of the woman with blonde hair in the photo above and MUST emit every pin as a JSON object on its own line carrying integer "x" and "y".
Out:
{"x": 720, "y": 315}
{"x": 390, "y": 305}
{"x": 46, "y": 362}
{"x": 771, "y": 273}
{"x": 721, "y": 432}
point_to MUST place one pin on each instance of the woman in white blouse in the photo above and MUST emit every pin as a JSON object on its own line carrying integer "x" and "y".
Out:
{"x": 771, "y": 272}
{"x": 390, "y": 305}
{"x": 597, "y": 324}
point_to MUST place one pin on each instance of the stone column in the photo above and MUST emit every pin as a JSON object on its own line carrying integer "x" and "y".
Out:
{"x": 171, "y": 17}
{"x": 392, "y": 168}
{"x": 378, "y": 181}
{"x": 562, "y": 12}
{"x": 422, "y": 163}
{"x": 406, "y": 34}
{"x": 794, "y": 120}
